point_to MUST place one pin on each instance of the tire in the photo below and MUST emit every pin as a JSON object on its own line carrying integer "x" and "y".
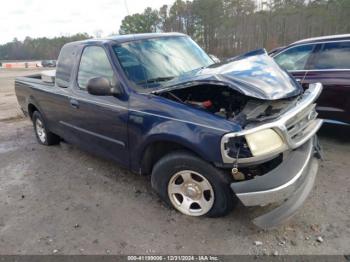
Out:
{"x": 43, "y": 135}
{"x": 192, "y": 186}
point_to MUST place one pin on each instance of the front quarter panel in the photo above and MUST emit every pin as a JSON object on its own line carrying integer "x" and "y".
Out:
{"x": 154, "y": 119}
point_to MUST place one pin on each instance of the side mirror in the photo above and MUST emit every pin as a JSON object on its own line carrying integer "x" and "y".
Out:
{"x": 101, "y": 86}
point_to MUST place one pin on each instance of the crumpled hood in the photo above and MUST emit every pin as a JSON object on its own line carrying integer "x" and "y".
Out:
{"x": 254, "y": 74}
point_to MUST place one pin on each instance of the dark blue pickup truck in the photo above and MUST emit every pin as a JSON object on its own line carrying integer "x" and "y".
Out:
{"x": 208, "y": 133}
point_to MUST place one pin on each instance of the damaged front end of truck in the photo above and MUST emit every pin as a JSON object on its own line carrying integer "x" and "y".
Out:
{"x": 274, "y": 157}
{"x": 289, "y": 144}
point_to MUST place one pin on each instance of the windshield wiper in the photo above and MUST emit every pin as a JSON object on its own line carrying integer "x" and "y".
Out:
{"x": 155, "y": 80}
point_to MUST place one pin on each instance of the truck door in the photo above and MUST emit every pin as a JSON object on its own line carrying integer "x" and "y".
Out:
{"x": 98, "y": 123}
{"x": 55, "y": 101}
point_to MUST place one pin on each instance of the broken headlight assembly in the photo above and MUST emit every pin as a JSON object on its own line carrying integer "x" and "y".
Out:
{"x": 237, "y": 147}
{"x": 246, "y": 148}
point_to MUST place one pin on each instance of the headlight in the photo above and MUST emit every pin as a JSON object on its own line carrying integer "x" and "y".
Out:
{"x": 264, "y": 142}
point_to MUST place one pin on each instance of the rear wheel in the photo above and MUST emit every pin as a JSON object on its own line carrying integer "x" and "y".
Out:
{"x": 192, "y": 186}
{"x": 43, "y": 135}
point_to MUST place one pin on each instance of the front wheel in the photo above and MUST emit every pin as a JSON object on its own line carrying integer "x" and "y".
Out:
{"x": 192, "y": 186}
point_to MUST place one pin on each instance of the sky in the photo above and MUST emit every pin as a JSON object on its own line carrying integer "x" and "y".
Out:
{"x": 50, "y": 18}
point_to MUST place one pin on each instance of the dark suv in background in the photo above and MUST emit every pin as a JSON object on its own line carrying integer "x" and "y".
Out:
{"x": 326, "y": 60}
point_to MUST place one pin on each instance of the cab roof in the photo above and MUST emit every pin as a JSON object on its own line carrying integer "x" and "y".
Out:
{"x": 127, "y": 38}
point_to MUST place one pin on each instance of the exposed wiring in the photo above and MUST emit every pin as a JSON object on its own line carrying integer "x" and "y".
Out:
{"x": 235, "y": 164}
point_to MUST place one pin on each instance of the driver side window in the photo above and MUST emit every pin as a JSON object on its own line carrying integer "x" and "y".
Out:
{"x": 94, "y": 63}
{"x": 294, "y": 58}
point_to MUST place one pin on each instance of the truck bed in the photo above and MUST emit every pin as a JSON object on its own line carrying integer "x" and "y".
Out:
{"x": 27, "y": 86}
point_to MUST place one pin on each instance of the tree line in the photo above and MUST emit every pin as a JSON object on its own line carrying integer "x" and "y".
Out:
{"x": 222, "y": 27}
{"x": 230, "y": 27}
{"x": 38, "y": 48}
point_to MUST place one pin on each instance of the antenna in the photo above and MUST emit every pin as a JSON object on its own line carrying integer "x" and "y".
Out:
{"x": 126, "y": 7}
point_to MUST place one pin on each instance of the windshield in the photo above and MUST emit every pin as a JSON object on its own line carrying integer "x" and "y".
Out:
{"x": 151, "y": 62}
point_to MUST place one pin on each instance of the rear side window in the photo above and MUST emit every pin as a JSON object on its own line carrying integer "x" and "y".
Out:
{"x": 94, "y": 63}
{"x": 294, "y": 58}
{"x": 65, "y": 65}
{"x": 333, "y": 56}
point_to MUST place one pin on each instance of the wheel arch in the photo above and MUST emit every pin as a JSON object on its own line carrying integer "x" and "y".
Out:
{"x": 156, "y": 149}
{"x": 31, "y": 109}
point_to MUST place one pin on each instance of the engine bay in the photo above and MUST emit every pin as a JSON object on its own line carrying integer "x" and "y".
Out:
{"x": 228, "y": 103}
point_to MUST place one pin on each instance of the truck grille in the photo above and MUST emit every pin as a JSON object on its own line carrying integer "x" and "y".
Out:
{"x": 301, "y": 125}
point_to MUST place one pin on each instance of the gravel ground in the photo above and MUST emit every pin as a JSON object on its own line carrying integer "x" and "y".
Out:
{"x": 63, "y": 200}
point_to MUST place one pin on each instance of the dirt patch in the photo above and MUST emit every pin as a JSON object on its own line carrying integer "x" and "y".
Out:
{"x": 12, "y": 119}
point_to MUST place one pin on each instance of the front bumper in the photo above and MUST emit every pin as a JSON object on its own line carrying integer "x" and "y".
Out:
{"x": 290, "y": 182}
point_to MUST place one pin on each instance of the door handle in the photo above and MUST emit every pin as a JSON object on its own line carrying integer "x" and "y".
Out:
{"x": 74, "y": 103}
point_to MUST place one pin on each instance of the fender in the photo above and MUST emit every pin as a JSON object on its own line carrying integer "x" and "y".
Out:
{"x": 188, "y": 136}
{"x": 32, "y": 100}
